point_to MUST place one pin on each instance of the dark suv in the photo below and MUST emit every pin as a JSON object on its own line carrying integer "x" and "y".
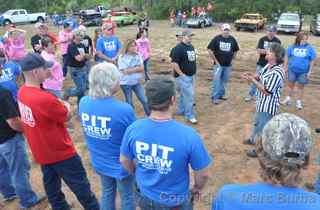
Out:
{"x": 315, "y": 24}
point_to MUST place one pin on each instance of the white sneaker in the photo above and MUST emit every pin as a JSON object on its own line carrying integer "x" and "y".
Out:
{"x": 299, "y": 105}
{"x": 287, "y": 101}
{"x": 248, "y": 98}
{"x": 193, "y": 120}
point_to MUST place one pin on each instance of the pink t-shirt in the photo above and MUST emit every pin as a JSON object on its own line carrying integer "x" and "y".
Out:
{"x": 143, "y": 46}
{"x": 15, "y": 47}
{"x": 63, "y": 37}
{"x": 56, "y": 80}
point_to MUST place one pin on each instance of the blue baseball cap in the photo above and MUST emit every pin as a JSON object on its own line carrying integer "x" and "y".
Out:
{"x": 33, "y": 61}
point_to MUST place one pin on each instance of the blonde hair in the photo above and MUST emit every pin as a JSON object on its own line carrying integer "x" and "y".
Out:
{"x": 128, "y": 44}
{"x": 103, "y": 80}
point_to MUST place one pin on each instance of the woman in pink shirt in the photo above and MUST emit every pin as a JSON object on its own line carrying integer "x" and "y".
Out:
{"x": 54, "y": 83}
{"x": 65, "y": 38}
{"x": 143, "y": 45}
{"x": 15, "y": 44}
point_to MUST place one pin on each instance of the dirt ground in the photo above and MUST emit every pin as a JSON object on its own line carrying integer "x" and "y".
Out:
{"x": 223, "y": 127}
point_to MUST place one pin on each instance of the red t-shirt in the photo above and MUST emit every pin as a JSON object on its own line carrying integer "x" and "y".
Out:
{"x": 43, "y": 118}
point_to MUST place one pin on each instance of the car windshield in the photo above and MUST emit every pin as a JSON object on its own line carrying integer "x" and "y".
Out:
{"x": 289, "y": 17}
{"x": 9, "y": 12}
{"x": 252, "y": 17}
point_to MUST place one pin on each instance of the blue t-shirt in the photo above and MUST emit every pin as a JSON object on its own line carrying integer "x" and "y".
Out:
{"x": 163, "y": 152}
{"x": 104, "y": 122}
{"x": 8, "y": 79}
{"x": 262, "y": 196}
{"x": 109, "y": 46}
{"x": 300, "y": 57}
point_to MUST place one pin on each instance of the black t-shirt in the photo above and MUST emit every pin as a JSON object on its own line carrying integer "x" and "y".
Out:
{"x": 224, "y": 49}
{"x": 185, "y": 56}
{"x": 264, "y": 43}
{"x": 8, "y": 109}
{"x": 36, "y": 39}
{"x": 74, "y": 50}
{"x": 87, "y": 42}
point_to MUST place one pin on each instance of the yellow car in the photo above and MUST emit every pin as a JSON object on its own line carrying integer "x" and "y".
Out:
{"x": 250, "y": 21}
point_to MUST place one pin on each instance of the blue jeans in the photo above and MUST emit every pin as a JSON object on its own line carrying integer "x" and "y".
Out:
{"x": 78, "y": 76}
{"x": 139, "y": 91}
{"x": 261, "y": 120}
{"x": 185, "y": 86}
{"x": 109, "y": 192}
{"x": 14, "y": 171}
{"x": 65, "y": 64}
{"x": 146, "y": 69}
{"x": 72, "y": 172}
{"x": 300, "y": 78}
{"x": 88, "y": 68}
{"x": 253, "y": 87}
{"x": 220, "y": 79}
{"x": 148, "y": 204}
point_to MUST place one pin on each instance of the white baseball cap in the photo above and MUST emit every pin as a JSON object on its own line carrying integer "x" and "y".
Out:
{"x": 225, "y": 27}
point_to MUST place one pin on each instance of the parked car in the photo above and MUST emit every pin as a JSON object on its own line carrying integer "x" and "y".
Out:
{"x": 97, "y": 9}
{"x": 124, "y": 18}
{"x": 200, "y": 21}
{"x": 315, "y": 24}
{"x": 21, "y": 16}
{"x": 252, "y": 22}
{"x": 93, "y": 19}
{"x": 289, "y": 23}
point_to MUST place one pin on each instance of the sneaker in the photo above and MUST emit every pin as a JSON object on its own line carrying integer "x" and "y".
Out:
{"x": 224, "y": 98}
{"x": 40, "y": 199}
{"x": 193, "y": 121}
{"x": 216, "y": 101}
{"x": 299, "y": 105}
{"x": 317, "y": 130}
{"x": 252, "y": 153}
{"x": 11, "y": 198}
{"x": 248, "y": 142}
{"x": 248, "y": 98}
{"x": 287, "y": 101}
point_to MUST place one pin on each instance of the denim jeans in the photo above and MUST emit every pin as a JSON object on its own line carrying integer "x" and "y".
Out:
{"x": 88, "y": 68}
{"x": 185, "y": 86}
{"x": 221, "y": 76}
{"x": 72, "y": 172}
{"x": 14, "y": 171}
{"x": 139, "y": 91}
{"x": 253, "y": 87}
{"x": 109, "y": 191}
{"x": 261, "y": 120}
{"x": 146, "y": 69}
{"x": 65, "y": 64}
{"x": 78, "y": 76}
{"x": 148, "y": 204}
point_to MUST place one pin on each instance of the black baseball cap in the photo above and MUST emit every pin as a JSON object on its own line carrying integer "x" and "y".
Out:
{"x": 33, "y": 61}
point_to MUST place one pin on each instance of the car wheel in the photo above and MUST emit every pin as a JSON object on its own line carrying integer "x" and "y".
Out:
{"x": 6, "y": 22}
{"x": 202, "y": 25}
{"x": 122, "y": 23}
{"x": 40, "y": 20}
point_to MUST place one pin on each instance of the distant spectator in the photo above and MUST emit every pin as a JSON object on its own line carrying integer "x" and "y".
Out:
{"x": 194, "y": 12}
{"x": 130, "y": 65}
{"x": 36, "y": 39}
{"x": 160, "y": 151}
{"x": 144, "y": 49}
{"x": 114, "y": 117}
{"x": 110, "y": 21}
{"x": 172, "y": 18}
{"x": 299, "y": 64}
{"x": 65, "y": 38}
{"x": 143, "y": 23}
{"x": 97, "y": 34}
{"x": 283, "y": 152}
{"x": 108, "y": 46}
{"x": 184, "y": 19}
{"x": 54, "y": 83}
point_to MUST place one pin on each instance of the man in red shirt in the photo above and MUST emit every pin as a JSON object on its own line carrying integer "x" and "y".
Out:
{"x": 43, "y": 119}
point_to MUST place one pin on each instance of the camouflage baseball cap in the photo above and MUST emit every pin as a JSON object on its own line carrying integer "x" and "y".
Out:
{"x": 287, "y": 137}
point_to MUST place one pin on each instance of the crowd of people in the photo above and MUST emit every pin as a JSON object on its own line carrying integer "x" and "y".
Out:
{"x": 146, "y": 160}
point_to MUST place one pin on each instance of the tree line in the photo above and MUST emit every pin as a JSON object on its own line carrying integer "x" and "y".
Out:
{"x": 159, "y": 9}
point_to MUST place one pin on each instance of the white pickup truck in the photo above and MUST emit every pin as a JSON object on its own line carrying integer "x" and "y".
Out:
{"x": 21, "y": 16}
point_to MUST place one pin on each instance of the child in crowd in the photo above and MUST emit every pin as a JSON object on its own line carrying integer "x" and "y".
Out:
{"x": 143, "y": 45}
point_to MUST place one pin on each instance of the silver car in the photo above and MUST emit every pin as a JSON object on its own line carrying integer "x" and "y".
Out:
{"x": 201, "y": 21}
{"x": 289, "y": 23}
{"x": 315, "y": 24}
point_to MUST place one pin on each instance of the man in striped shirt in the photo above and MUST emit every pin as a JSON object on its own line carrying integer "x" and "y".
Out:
{"x": 269, "y": 83}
